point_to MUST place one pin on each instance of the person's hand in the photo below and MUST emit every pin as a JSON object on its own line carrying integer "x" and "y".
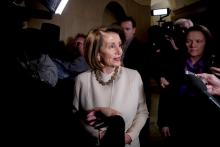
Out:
{"x": 172, "y": 42}
{"x": 212, "y": 83}
{"x": 164, "y": 82}
{"x": 215, "y": 71}
{"x": 127, "y": 139}
{"x": 98, "y": 117}
{"x": 165, "y": 131}
{"x": 106, "y": 111}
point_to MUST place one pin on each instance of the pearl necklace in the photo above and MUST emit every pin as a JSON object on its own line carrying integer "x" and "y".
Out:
{"x": 99, "y": 79}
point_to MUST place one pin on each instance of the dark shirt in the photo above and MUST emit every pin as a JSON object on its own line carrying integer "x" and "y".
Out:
{"x": 198, "y": 67}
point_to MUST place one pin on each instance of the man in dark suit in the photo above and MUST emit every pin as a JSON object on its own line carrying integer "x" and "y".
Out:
{"x": 135, "y": 56}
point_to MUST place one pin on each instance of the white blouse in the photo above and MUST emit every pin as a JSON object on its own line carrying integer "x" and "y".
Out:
{"x": 125, "y": 94}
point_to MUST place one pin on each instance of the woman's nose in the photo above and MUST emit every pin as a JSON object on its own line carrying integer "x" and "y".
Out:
{"x": 119, "y": 50}
{"x": 193, "y": 44}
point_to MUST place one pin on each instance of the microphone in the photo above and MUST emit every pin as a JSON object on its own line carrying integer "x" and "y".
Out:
{"x": 200, "y": 85}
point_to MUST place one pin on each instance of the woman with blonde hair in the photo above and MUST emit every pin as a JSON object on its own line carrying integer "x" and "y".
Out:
{"x": 109, "y": 86}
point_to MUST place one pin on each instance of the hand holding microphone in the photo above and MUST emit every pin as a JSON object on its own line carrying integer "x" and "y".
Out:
{"x": 212, "y": 83}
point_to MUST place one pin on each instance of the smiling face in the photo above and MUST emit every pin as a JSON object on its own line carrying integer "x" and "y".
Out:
{"x": 110, "y": 51}
{"x": 195, "y": 43}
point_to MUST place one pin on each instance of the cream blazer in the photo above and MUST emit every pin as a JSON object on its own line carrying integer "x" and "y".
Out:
{"x": 125, "y": 94}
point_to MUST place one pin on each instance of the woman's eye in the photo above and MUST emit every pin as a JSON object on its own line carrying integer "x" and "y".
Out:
{"x": 112, "y": 46}
{"x": 199, "y": 41}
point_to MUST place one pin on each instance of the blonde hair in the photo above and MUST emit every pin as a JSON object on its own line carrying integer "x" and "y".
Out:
{"x": 93, "y": 43}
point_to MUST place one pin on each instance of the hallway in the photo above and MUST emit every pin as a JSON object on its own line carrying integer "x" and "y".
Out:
{"x": 154, "y": 134}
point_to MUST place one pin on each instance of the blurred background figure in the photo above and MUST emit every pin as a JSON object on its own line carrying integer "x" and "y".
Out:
{"x": 74, "y": 62}
{"x": 183, "y": 23}
{"x": 35, "y": 59}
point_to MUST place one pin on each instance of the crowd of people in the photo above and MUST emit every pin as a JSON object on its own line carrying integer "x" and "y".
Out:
{"x": 182, "y": 105}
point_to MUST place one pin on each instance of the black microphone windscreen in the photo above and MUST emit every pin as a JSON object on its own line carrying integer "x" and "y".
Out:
{"x": 201, "y": 87}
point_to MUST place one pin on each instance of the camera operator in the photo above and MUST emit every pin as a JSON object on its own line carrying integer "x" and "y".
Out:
{"x": 171, "y": 46}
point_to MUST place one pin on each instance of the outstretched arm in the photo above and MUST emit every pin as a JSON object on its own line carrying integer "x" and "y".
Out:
{"x": 212, "y": 83}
